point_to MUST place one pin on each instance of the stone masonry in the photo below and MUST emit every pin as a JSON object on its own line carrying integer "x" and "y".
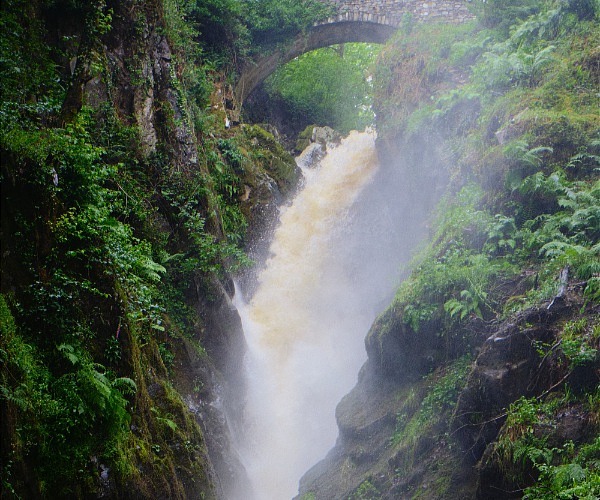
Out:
{"x": 391, "y": 12}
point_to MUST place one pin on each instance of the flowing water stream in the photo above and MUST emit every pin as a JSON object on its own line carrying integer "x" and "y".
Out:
{"x": 306, "y": 323}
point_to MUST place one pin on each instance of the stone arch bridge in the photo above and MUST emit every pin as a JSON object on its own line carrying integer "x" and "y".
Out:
{"x": 370, "y": 21}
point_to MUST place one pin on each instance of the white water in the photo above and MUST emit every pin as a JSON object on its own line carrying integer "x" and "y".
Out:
{"x": 305, "y": 325}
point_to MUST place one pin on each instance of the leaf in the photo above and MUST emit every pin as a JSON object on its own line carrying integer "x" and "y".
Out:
{"x": 172, "y": 425}
{"x": 102, "y": 385}
{"x": 125, "y": 385}
{"x": 151, "y": 269}
{"x": 567, "y": 475}
{"x": 69, "y": 352}
{"x": 556, "y": 249}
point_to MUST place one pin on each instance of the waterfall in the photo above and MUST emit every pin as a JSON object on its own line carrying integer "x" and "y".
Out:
{"x": 306, "y": 323}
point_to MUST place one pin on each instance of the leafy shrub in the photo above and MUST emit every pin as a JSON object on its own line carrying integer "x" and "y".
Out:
{"x": 366, "y": 491}
{"x": 274, "y": 21}
{"x": 503, "y": 14}
{"x": 440, "y": 391}
{"x": 64, "y": 417}
{"x": 443, "y": 393}
{"x": 576, "y": 343}
{"x": 562, "y": 472}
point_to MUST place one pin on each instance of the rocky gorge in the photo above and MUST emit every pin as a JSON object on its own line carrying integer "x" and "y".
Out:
{"x": 130, "y": 202}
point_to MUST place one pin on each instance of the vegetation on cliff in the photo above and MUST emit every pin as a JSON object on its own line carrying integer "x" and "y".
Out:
{"x": 489, "y": 353}
{"x": 125, "y": 203}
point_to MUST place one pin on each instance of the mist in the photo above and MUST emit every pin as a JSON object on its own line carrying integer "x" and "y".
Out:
{"x": 334, "y": 264}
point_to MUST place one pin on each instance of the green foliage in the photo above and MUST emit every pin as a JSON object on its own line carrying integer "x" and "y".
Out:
{"x": 219, "y": 26}
{"x": 187, "y": 198}
{"x": 272, "y": 22}
{"x": 563, "y": 472}
{"x": 444, "y": 391}
{"x": 522, "y": 207}
{"x": 508, "y": 69}
{"x": 565, "y": 481}
{"x": 501, "y": 236}
{"x": 469, "y": 303}
{"x": 27, "y": 72}
{"x": 329, "y": 86}
{"x": 423, "y": 61}
{"x": 271, "y": 156}
{"x": 569, "y": 236}
{"x": 503, "y": 14}
{"x": 102, "y": 241}
{"x": 167, "y": 422}
{"x": 441, "y": 390}
{"x": 181, "y": 32}
{"x": 166, "y": 354}
{"x": 417, "y": 314}
{"x": 64, "y": 417}
{"x": 535, "y": 53}
{"x": 455, "y": 272}
{"x": 366, "y": 491}
{"x": 519, "y": 153}
{"x": 112, "y": 351}
{"x": 577, "y": 340}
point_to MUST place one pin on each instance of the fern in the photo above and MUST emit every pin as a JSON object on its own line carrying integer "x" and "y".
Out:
{"x": 567, "y": 252}
{"x": 519, "y": 152}
{"x": 125, "y": 385}
{"x": 69, "y": 353}
{"x": 164, "y": 420}
{"x": 470, "y": 303}
{"x": 592, "y": 289}
{"x": 100, "y": 395}
{"x": 583, "y": 159}
{"x": 524, "y": 452}
{"x": 18, "y": 396}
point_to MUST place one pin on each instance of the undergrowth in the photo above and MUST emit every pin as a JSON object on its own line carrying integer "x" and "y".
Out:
{"x": 510, "y": 105}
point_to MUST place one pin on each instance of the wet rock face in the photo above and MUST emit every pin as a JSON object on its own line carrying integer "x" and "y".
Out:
{"x": 209, "y": 398}
{"x": 457, "y": 453}
{"x": 507, "y": 368}
{"x": 223, "y": 336}
{"x": 366, "y": 419}
{"x": 142, "y": 76}
{"x": 397, "y": 351}
{"x": 313, "y": 153}
{"x": 141, "y": 81}
{"x": 571, "y": 424}
{"x": 325, "y": 136}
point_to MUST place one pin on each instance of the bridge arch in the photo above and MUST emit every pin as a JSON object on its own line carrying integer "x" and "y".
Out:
{"x": 370, "y": 21}
{"x": 323, "y": 35}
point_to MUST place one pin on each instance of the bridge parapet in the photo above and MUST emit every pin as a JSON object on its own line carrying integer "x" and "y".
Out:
{"x": 391, "y": 12}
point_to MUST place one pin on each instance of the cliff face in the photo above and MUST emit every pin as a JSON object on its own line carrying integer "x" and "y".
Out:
{"x": 482, "y": 375}
{"x": 125, "y": 203}
{"x": 399, "y": 438}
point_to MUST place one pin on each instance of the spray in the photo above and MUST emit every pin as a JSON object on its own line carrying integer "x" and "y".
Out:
{"x": 306, "y": 323}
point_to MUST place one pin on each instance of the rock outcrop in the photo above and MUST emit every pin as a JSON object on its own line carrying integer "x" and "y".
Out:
{"x": 454, "y": 458}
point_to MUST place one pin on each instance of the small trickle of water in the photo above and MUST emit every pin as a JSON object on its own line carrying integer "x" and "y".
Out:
{"x": 305, "y": 326}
